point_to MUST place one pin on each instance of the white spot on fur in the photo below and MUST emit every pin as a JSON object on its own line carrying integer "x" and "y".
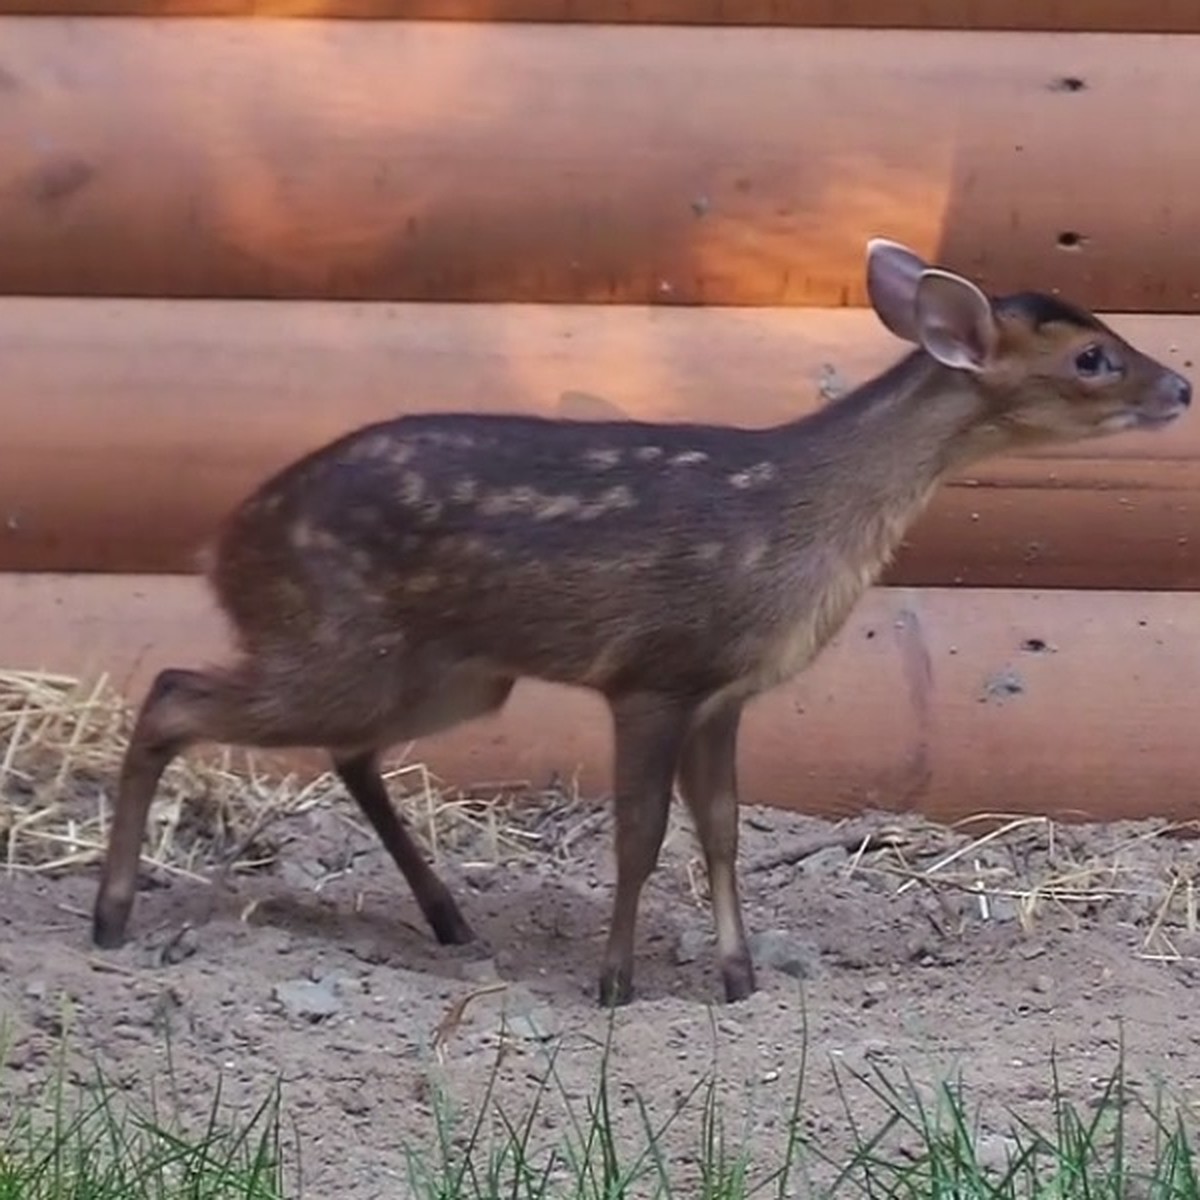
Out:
{"x": 613, "y": 500}
{"x": 760, "y": 473}
{"x": 601, "y": 458}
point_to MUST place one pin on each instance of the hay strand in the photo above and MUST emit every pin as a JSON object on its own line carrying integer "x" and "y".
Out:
{"x": 61, "y": 745}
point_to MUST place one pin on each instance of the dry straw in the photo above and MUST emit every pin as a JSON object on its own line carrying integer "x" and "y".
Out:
{"x": 1029, "y": 867}
{"x": 61, "y": 742}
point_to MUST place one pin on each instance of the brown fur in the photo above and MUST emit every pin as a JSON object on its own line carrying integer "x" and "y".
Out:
{"x": 400, "y": 580}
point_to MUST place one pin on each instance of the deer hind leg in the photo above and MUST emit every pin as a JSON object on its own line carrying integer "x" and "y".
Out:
{"x": 251, "y": 706}
{"x": 181, "y": 708}
{"x": 648, "y": 733}
{"x": 708, "y": 782}
{"x": 359, "y": 772}
{"x": 361, "y": 777}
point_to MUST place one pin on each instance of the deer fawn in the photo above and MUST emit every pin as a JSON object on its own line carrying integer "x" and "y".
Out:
{"x": 400, "y": 580}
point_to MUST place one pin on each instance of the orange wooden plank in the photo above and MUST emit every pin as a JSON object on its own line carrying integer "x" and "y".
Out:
{"x": 492, "y": 162}
{"x": 1120, "y": 16}
{"x": 1089, "y": 726}
{"x": 131, "y": 426}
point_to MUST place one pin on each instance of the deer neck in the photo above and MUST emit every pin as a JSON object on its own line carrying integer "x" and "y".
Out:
{"x": 865, "y": 467}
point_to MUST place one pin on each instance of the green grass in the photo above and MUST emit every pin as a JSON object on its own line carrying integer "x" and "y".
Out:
{"x": 921, "y": 1143}
{"x": 897, "y": 1139}
{"x": 83, "y": 1141}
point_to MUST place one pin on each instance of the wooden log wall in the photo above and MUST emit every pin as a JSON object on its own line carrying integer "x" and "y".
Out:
{"x": 1077, "y": 16}
{"x": 163, "y": 413}
{"x": 231, "y": 229}
{"x": 498, "y": 162}
{"x": 1065, "y": 703}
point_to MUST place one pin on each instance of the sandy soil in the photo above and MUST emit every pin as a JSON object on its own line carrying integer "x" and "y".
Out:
{"x": 316, "y": 967}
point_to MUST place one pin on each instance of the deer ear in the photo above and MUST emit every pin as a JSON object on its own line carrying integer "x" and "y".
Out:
{"x": 893, "y": 273}
{"x": 955, "y": 322}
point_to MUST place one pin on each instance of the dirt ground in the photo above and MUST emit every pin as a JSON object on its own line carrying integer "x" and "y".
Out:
{"x": 316, "y": 967}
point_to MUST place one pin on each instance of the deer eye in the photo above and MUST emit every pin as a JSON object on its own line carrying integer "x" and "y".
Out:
{"x": 1091, "y": 361}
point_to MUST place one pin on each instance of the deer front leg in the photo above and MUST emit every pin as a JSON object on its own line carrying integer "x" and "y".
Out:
{"x": 708, "y": 781}
{"x": 649, "y": 731}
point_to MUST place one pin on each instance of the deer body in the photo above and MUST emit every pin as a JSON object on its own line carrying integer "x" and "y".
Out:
{"x": 400, "y": 580}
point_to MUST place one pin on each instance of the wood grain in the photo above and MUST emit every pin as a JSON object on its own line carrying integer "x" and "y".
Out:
{"x": 1119, "y": 16}
{"x": 459, "y": 161}
{"x": 131, "y": 426}
{"x": 1088, "y": 723}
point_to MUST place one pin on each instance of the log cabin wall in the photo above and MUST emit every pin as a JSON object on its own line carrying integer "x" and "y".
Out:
{"x": 231, "y": 229}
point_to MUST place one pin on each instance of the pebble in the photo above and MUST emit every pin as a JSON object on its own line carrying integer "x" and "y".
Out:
{"x": 374, "y": 953}
{"x": 308, "y": 999}
{"x": 691, "y": 945}
{"x": 178, "y": 949}
{"x": 479, "y": 970}
{"x": 874, "y": 991}
{"x": 994, "y": 1151}
{"x": 785, "y": 951}
{"x": 353, "y": 1100}
{"x": 300, "y": 875}
{"x": 19, "y": 1056}
{"x": 1002, "y": 908}
{"x": 528, "y": 1018}
{"x": 826, "y": 861}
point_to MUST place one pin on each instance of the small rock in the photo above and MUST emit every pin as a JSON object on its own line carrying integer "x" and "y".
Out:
{"x": 35, "y": 989}
{"x": 691, "y": 945}
{"x": 784, "y": 951}
{"x": 478, "y": 970}
{"x": 1002, "y": 908}
{"x": 19, "y": 1056}
{"x": 853, "y": 958}
{"x": 179, "y": 948}
{"x": 300, "y": 875}
{"x": 481, "y": 877}
{"x": 374, "y": 953}
{"x": 48, "y": 1022}
{"x": 353, "y": 1100}
{"x": 308, "y": 1000}
{"x": 1043, "y": 984}
{"x": 529, "y": 1019}
{"x": 995, "y": 1151}
{"x": 762, "y": 823}
{"x": 826, "y": 861}
{"x": 874, "y": 991}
